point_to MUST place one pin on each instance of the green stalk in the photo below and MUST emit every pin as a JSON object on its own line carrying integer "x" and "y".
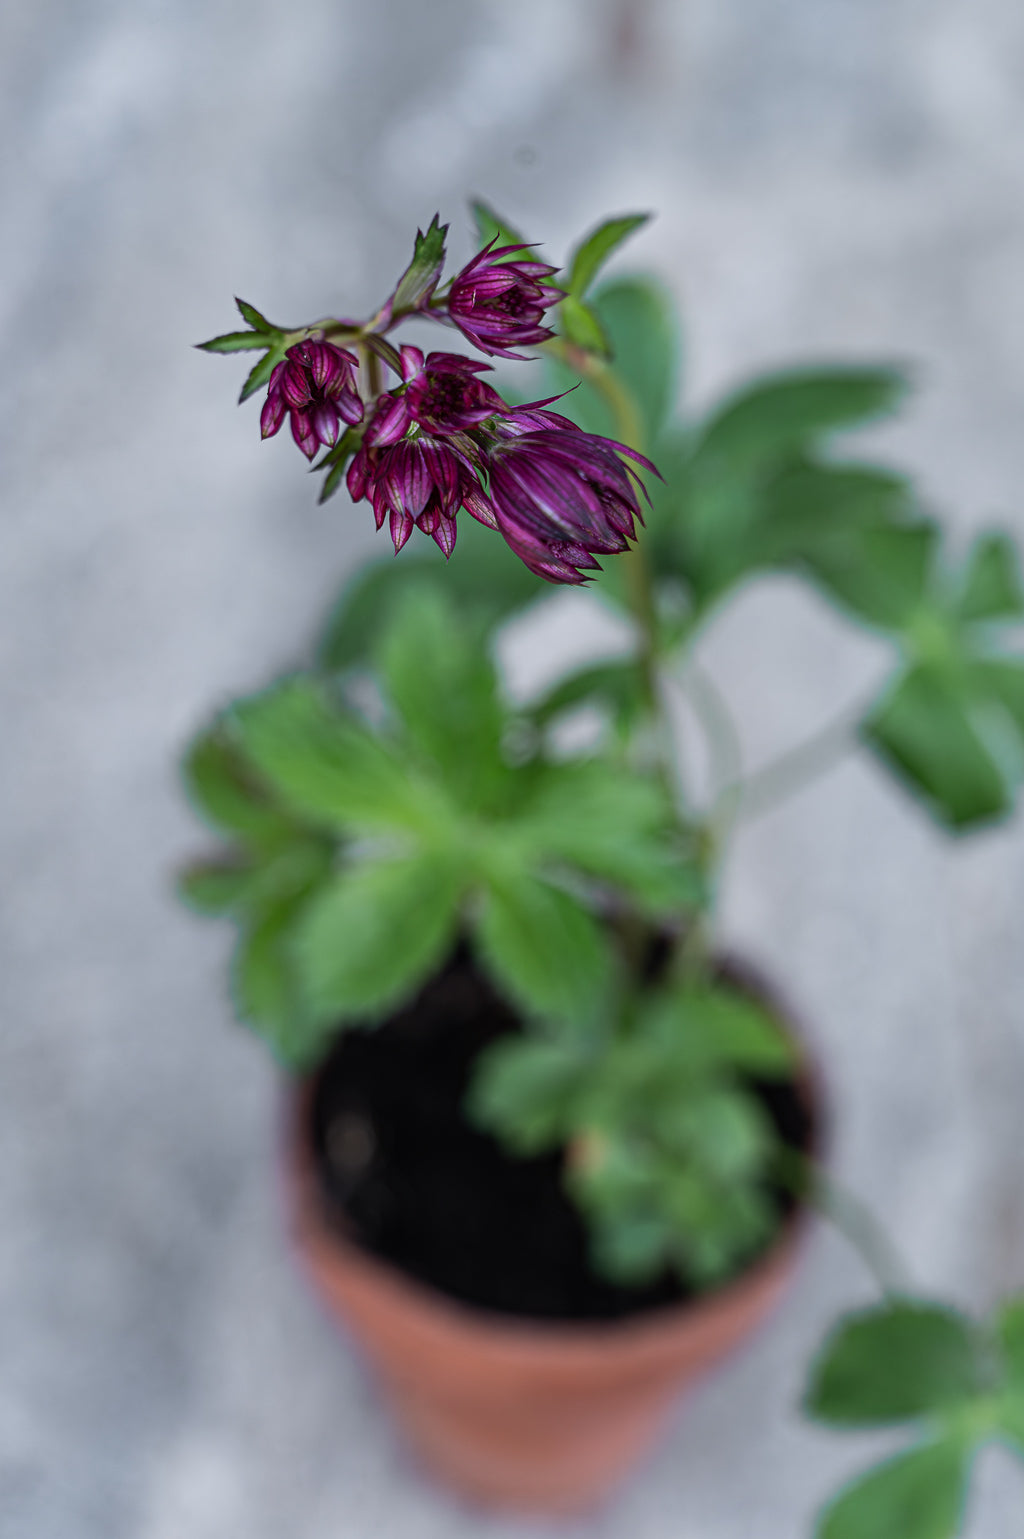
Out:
{"x": 692, "y": 955}
{"x": 639, "y": 584}
{"x": 799, "y": 766}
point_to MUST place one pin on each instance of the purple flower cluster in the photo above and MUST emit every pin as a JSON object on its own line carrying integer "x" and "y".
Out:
{"x": 316, "y": 384}
{"x": 559, "y": 496}
{"x": 441, "y": 439}
{"x": 417, "y": 465}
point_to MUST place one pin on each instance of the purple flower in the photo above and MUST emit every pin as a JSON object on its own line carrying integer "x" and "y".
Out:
{"x": 499, "y": 305}
{"x": 417, "y": 465}
{"x": 316, "y": 384}
{"x": 421, "y": 481}
{"x": 441, "y": 395}
{"x": 560, "y": 496}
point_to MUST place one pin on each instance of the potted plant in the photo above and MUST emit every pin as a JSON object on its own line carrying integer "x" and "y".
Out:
{"x": 548, "y": 1147}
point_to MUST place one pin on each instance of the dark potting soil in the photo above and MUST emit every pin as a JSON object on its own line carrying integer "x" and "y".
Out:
{"x": 404, "y": 1173}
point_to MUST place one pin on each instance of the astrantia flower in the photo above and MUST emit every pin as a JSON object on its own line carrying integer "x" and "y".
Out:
{"x": 416, "y": 465}
{"x": 316, "y": 384}
{"x": 419, "y": 480}
{"x": 441, "y": 395}
{"x": 560, "y": 496}
{"x": 499, "y": 305}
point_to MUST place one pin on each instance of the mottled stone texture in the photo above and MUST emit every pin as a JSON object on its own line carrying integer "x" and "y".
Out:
{"x": 842, "y": 178}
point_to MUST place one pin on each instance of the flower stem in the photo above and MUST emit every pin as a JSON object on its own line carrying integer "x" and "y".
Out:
{"x": 629, "y": 425}
{"x": 851, "y": 1217}
{"x": 799, "y": 766}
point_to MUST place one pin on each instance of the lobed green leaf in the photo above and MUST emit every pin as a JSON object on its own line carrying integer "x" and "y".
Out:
{"x": 328, "y": 767}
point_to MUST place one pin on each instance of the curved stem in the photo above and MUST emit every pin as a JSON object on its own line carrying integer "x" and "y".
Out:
{"x": 725, "y": 748}
{"x": 852, "y": 1218}
{"x": 798, "y": 766}
{"x": 861, "y": 1229}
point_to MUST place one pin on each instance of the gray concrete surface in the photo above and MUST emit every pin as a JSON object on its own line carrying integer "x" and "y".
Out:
{"x": 833, "y": 178}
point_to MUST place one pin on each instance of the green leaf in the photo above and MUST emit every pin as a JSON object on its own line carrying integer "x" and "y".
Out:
{"x": 329, "y": 767}
{"x": 999, "y": 680}
{"x": 917, "y": 1495}
{"x": 491, "y": 227}
{"x": 234, "y": 342}
{"x": 629, "y": 1248}
{"x": 260, "y": 375}
{"x": 444, "y": 688}
{"x": 215, "y": 886}
{"x": 582, "y": 326}
{"x": 882, "y": 574}
{"x": 894, "y": 1363}
{"x": 718, "y": 1027}
{"x": 638, "y": 319}
{"x": 595, "y": 249}
{"x": 224, "y": 789}
{"x": 1010, "y": 1421}
{"x": 523, "y": 1090}
{"x": 375, "y": 933}
{"x": 614, "y": 685}
{"x": 252, "y": 316}
{"x": 613, "y": 824}
{"x": 992, "y": 586}
{"x": 419, "y": 280}
{"x": 811, "y": 510}
{"x": 546, "y": 951}
{"x": 484, "y": 577}
{"x": 927, "y": 732}
{"x": 785, "y": 411}
{"x": 1010, "y": 1334}
{"x": 255, "y": 882}
{"x": 336, "y": 462}
{"x": 267, "y": 994}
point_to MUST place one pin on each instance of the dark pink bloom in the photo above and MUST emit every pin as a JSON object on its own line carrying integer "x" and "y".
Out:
{"x": 417, "y": 465}
{"x": 441, "y": 395}
{"x": 499, "y": 305}
{"x": 560, "y": 496}
{"x": 421, "y": 481}
{"x": 316, "y": 384}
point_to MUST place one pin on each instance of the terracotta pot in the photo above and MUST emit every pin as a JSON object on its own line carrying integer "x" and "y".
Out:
{"x": 525, "y": 1415}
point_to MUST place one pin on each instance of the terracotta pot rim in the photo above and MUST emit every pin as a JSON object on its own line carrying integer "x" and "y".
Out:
{"x": 628, "y": 1332}
{"x": 448, "y": 1313}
